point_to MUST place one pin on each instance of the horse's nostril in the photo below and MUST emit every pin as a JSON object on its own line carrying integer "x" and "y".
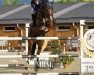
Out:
{"x": 40, "y": 22}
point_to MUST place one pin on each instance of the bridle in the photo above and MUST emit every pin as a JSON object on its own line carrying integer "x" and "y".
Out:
{"x": 45, "y": 15}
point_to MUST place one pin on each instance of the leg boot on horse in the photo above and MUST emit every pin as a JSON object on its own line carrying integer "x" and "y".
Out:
{"x": 33, "y": 50}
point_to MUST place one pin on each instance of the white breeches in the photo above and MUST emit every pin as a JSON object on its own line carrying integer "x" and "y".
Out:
{"x": 32, "y": 11}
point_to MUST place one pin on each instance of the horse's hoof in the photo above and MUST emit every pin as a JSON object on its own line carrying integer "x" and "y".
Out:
{"x": 31, "y": 58}
{"x": 28, "y": 61}
{"x": 26, "y": 68}
{"x": 36, "y": 69}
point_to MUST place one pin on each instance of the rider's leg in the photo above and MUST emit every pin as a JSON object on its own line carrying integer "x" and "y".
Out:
{"x": 33, "y": 17}
{"x": 34, "y": 20}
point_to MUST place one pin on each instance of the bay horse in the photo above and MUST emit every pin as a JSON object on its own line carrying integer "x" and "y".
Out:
{"x": 44, "y": 22}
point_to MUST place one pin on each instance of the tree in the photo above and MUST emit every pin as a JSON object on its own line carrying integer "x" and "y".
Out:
{"x": 10, "y": 2}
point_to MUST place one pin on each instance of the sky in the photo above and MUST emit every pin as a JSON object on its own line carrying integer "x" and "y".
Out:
{"x": 0, "y": 1}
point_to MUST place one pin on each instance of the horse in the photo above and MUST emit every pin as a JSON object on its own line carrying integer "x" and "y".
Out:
{"x": 44, "y": 23}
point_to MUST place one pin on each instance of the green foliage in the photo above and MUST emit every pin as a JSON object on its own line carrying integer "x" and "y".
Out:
{"x": 67, "y": 60}
{"x": 55, "y": 47}
{"x": 6, "y": 2}
{"x": 15, "y": 2}
{"x": 10, "y": 2}
{"x": 65, "y": 1}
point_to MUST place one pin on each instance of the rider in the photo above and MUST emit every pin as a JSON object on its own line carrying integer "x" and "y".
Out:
{"x": 35, "y": 7}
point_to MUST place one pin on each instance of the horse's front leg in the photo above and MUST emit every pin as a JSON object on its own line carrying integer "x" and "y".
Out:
{"x": 29, "y": 50}
{"x": 40, "y": 44}
{"x": 29, "y": 47}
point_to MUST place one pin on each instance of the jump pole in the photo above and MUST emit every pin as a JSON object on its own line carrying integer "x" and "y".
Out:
{"x": 11, "y": 65}
{"x": 12, "y": 50}
{"x": 37, "y": 56}
{"x": 14, "y": 74}
{"x": 65, "y": 73}
{"x": 38, "y": 38}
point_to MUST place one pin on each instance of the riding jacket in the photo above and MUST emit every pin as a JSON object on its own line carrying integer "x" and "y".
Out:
{"x": 34, "y": 5}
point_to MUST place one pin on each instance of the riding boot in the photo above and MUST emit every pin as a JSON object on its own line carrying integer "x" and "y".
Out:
{"x": 34, "y": 20}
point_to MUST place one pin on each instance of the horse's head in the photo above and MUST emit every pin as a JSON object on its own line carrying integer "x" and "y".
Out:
{"x": 47, "y": 14}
